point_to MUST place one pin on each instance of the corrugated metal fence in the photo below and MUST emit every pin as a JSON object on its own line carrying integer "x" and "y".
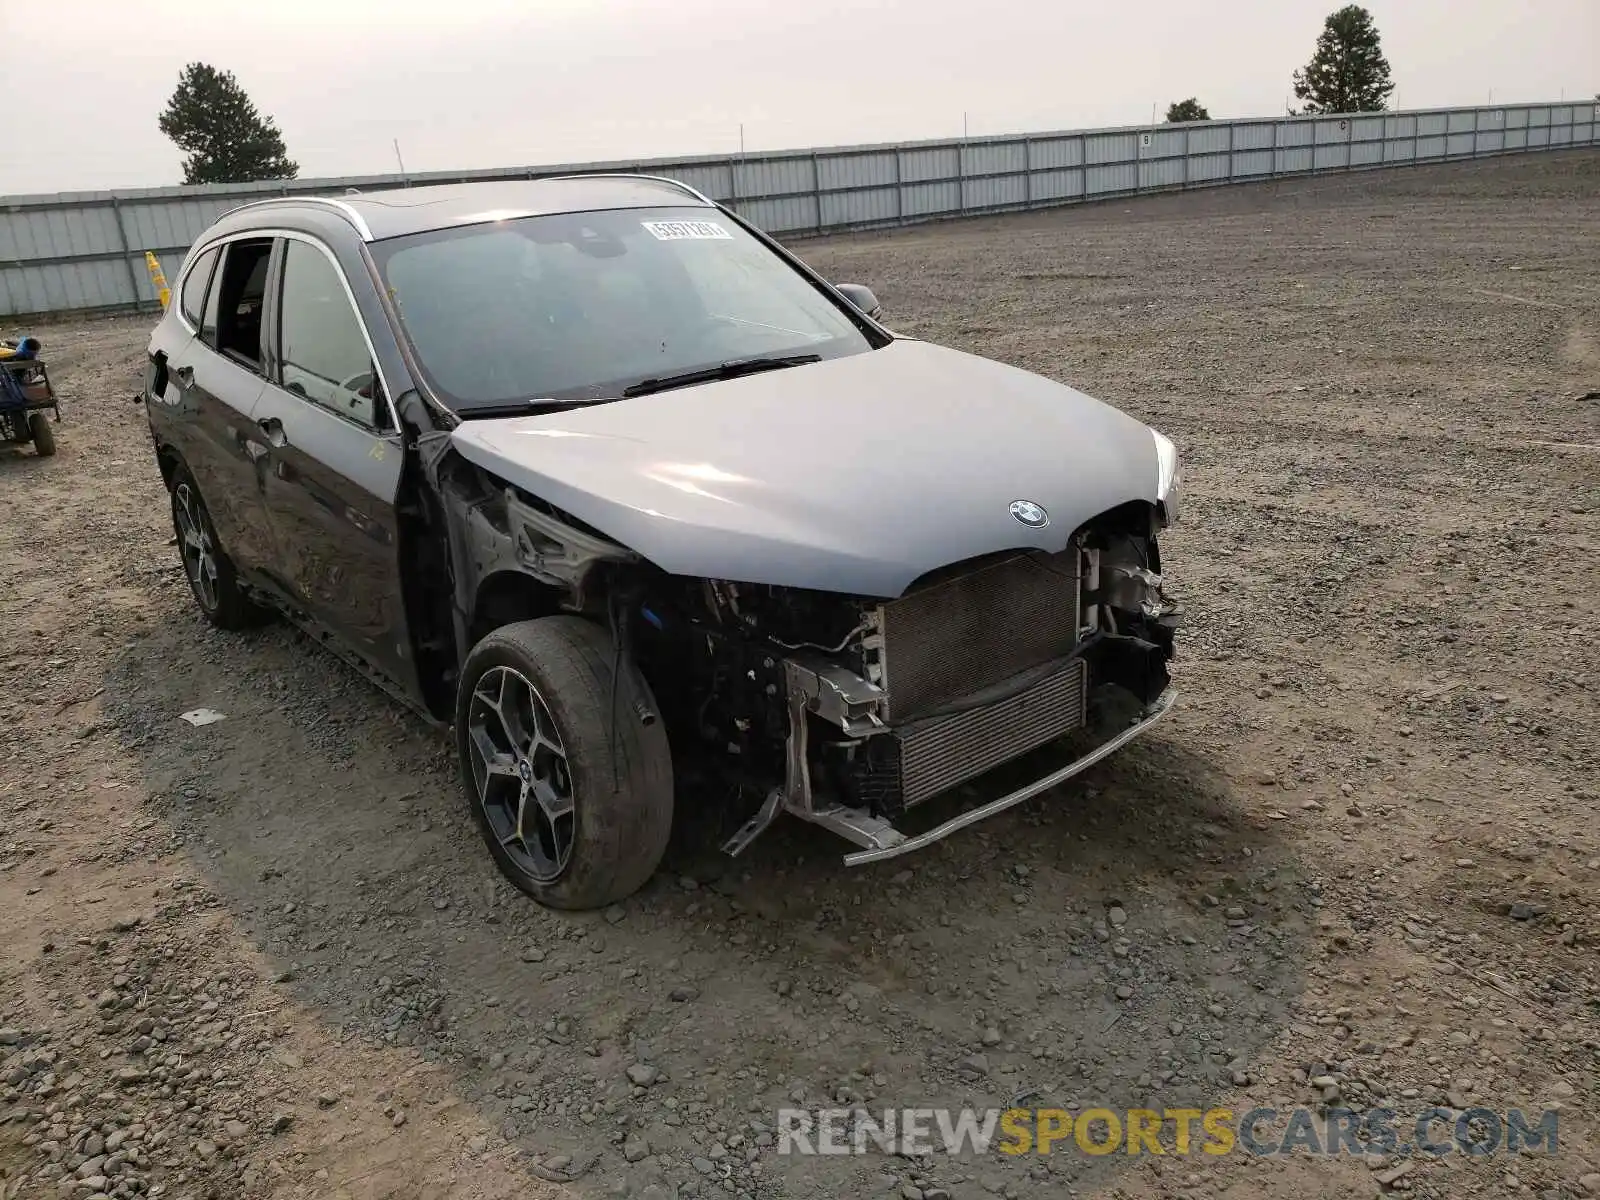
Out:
{"x": 86, "y": 250}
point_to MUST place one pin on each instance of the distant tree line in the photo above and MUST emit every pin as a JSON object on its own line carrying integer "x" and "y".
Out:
{"x": 1347, "y": 73}
{"x": 225, "y": 139}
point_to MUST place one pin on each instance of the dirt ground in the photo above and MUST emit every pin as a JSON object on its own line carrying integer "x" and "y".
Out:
{"x": 269, "y": 956}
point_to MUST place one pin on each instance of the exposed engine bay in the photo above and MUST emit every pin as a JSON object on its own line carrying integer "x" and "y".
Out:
{"x": 843, "y": 710}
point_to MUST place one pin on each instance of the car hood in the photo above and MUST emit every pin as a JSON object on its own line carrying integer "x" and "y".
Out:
{"x": 855, "y": 474}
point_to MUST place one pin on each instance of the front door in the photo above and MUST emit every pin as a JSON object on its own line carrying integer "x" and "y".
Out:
{"x": 332, "y": 462}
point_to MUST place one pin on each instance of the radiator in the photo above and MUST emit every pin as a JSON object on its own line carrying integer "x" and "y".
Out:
{"x": 975, "y": 626}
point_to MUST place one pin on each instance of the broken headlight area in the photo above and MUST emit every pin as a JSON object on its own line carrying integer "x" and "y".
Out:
{"x": 1169, "y": 479}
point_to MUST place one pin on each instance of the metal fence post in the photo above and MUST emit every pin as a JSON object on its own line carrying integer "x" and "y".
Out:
{"x": 127, "y": 255}
{"x": 899, "y": 189}
{"x": 961, "y": 175}
{"x": 816, "y": 186}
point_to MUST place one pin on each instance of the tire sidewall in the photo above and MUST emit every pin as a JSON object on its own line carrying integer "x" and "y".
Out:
{"x": 588, "y": 755}
{"x": 44, "y": 438}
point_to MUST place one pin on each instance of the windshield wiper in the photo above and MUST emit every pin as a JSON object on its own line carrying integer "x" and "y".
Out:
{"x": 523, "y": 408}
{"x": 727, "y": 370}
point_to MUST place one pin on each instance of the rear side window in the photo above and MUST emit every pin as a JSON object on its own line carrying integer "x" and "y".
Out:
{"x": 324, "y": 352}
{"x": 194, "y": 287}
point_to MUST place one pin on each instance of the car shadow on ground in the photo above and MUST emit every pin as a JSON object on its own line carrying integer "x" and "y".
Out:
{"x": 1128, "y": 941}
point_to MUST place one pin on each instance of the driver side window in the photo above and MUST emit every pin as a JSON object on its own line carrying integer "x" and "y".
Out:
{"x": 323, "y": 354}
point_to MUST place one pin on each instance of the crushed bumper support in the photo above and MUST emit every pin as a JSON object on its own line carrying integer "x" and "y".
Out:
{"x": 905, "y": 845}
{"x": 878, "y": 838}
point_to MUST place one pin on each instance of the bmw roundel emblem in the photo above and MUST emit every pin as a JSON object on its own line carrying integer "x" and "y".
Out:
{"x": 1030, "y": 514}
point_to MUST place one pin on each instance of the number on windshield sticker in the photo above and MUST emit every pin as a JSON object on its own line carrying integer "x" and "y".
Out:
{"x": 671, "y": 231}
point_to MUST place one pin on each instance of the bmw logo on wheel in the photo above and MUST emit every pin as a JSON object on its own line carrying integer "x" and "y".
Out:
{"x": 1030, "y": 514}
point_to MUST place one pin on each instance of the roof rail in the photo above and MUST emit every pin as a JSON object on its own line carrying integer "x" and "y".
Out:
{"x": 344, "y": 210}
{"x": 677, "y": 183}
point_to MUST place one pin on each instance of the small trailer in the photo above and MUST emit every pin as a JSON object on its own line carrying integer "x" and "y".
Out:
{"x": 26, "y": 396}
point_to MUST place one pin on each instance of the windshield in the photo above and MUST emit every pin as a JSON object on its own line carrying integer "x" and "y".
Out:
{"x": 583, "y": 305}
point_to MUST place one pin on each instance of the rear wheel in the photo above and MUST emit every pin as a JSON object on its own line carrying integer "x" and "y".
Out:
{"x": 44, "y": 438}
{"x": 566, "y": 822}
{"x": 210, "y": 571}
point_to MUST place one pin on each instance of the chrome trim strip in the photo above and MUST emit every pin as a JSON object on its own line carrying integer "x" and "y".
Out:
{"x": 346, "y": 210}
{"x": 349, "y": 211}
{"x": 677, "y": 183}
{"x": 1154, "y": 713}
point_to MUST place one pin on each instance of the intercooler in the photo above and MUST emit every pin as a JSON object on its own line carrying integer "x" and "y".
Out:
{"x": 941, "y": 752}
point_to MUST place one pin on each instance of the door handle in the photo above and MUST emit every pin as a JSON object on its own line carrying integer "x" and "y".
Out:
{"x": 273, "y": 428}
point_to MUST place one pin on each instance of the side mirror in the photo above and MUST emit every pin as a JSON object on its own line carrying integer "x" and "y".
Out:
{"x": 862, "y": 298}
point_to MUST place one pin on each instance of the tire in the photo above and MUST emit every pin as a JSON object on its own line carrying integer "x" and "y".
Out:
{"x": 216, "y": 591}
{"x": 614, "y": 827}
{"x": 44, "y": 438}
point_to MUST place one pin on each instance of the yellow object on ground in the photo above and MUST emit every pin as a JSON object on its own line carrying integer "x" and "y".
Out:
{"x": 158, "y": 279}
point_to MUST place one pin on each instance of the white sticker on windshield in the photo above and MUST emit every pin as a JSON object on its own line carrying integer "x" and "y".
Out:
{"x": 672, "y": 231}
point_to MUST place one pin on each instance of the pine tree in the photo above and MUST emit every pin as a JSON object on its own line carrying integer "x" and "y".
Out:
{"x": 1187, "y": 110}
{"x": 223, "y": 137}
{"x": 1348, "y": 73}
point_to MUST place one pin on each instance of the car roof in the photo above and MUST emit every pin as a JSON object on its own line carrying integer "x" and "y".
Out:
{"x": 395, "y": 212}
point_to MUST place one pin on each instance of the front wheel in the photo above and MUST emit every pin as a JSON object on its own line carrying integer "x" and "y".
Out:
{"x": 575, "y": 814}
{"x": 44, "y": 438}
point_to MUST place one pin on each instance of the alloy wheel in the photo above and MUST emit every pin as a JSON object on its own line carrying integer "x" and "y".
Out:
{"x": 521, "y": 771}
{"x": 195, "y": 543}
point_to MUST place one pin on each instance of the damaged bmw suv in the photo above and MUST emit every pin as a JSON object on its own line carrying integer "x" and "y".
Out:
{"x": 596, "y": 474}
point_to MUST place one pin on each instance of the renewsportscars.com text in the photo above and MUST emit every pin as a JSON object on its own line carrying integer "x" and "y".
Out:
{"x": 1171, "y": 1131}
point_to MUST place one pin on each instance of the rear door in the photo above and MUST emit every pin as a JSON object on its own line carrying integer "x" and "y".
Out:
{"x": 333, "y": 459}
{"x": 214, "y": 379}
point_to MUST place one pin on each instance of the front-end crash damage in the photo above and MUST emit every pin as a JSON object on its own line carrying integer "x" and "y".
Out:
{"x": 508, "y": 551}
{"x": 846, "y": 711}
{"x": 942, "y": 687}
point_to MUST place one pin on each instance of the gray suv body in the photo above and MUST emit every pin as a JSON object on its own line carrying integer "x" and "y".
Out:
{"x": 597, "y": 474}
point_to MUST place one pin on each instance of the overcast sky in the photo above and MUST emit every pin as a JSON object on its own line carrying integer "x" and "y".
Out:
{"x": 486, "y": 83}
